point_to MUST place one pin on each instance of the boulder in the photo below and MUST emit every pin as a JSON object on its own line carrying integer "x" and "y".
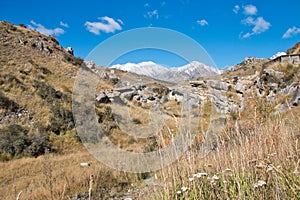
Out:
{"x": 103, "y": 98}
{"x": 217, "y": 84}
{"x": 197, "y": 84}
{"x": 240, "y": 87}
{"x": 273, "y": 73}
{"x": 296, "y": 97}
{"x": 90, "y": 64}
{"x": 128, "y": 95}
{"x": 70, "y": 50}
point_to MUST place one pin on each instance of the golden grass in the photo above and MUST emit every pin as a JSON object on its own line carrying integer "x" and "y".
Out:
{"x": 58, "y": 177}
{"x": 260, "y": 164}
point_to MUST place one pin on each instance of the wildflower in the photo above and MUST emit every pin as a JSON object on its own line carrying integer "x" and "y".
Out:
{"x": 191, "y": 179}
{"x": 269, "y": 168}
{"x": 198, "y": 175}
{"x": 259, "y": 166}
{"x": 183, "y": 189}
{"x": 260, "y": 183}
{"x": 178, "y": 192}
{"x": 215, "y": 177}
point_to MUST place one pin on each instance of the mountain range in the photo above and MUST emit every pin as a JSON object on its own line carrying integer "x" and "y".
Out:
{"x": 190, "y": 71}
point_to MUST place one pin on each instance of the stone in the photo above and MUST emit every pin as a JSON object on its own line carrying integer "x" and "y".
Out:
{"x": 276, "y": 74}
{"x": 240, "y": 88}
{"x": 273, "y": 86}
{"x": 103, "y": 75}
{"x": 70, "y": 50}
{"x": 217, "y": 84}
{"x": 197, "y": 84}
{"x": 103, "y": 98}
{"x": 151, "y": 98}
{"x": 90, "y": 64}
{"x": 296, "y": 97}
{"x": 128, "y": 95}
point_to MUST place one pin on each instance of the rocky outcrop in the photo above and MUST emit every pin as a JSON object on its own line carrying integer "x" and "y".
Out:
{"x": 296, "y": 97}
{"x": 70, "y": 50}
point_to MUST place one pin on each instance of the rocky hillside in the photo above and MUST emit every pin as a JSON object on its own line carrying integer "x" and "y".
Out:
{"x": 295, "y": 49}
{"x": 36, "y": 79}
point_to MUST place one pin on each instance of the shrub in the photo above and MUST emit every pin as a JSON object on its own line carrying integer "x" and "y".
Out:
{"x": 47, "y": 92}
{"x": 74, "y": 60}
{"x": 15, "y": 141}
{"x": 7, "y": 104}
{"x": 61, "y": 119}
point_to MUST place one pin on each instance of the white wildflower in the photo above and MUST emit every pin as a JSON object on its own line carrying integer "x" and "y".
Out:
{"x": 215, "y": 177}
{"x": 259, "y": 166}
{"x": 269, "y": 168}
{"x": 198, "y": 175}
{"x": 178, "y": 192}
{"x": 191, "y": 179}
{"x": 260, "y": 183}
{"x": 183, "y": 189}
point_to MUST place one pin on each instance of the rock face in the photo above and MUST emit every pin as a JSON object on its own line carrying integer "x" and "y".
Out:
{"x": 296, "y": 97}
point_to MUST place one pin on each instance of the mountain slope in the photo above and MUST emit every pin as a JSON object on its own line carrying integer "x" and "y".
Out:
{"x": 36, "y": 80}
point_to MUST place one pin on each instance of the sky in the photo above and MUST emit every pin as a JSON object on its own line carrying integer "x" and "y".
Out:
{"x": 228, "y": 30}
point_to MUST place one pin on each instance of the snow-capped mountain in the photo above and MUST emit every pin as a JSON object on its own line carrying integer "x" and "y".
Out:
{"x": 190, "y": 71}
{"x": 149, "y": 68}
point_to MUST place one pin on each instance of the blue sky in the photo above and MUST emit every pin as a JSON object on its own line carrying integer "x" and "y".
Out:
{"x": 228, "y": 30}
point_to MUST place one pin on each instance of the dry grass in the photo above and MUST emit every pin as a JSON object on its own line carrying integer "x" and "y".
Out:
{"x": 60, "y": 177}
{"x": 262, "y": 163}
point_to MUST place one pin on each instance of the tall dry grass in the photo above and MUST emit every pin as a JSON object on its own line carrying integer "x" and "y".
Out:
{"x": 54, "y": 176}
{"x": 257, "y": 162}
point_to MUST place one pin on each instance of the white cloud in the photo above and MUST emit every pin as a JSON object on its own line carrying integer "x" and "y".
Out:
{"x": 260, "y": 26}
{"x": 202, "y": 22}
{"x": 291, "y": 32}
{"x": 120, "y": 21}
{"x": 152, "y": 14}
{"x": 250, "y": 9}
{"x": 40, "y": 28}
{"x": 146, "y": 5}
{"x": 64, "y": 24}
{"x": 106, "y": 25}
{"x": 236, "y": 9}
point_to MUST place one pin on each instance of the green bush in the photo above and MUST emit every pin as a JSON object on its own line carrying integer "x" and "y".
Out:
{"x": 47, "y": 92}
{"x": 7, "y": 104}
{"x": 15, "y": 141}
{"x": 61, "y": 119}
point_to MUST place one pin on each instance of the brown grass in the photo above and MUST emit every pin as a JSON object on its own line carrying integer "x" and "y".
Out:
{"x": 269, "y": 152}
